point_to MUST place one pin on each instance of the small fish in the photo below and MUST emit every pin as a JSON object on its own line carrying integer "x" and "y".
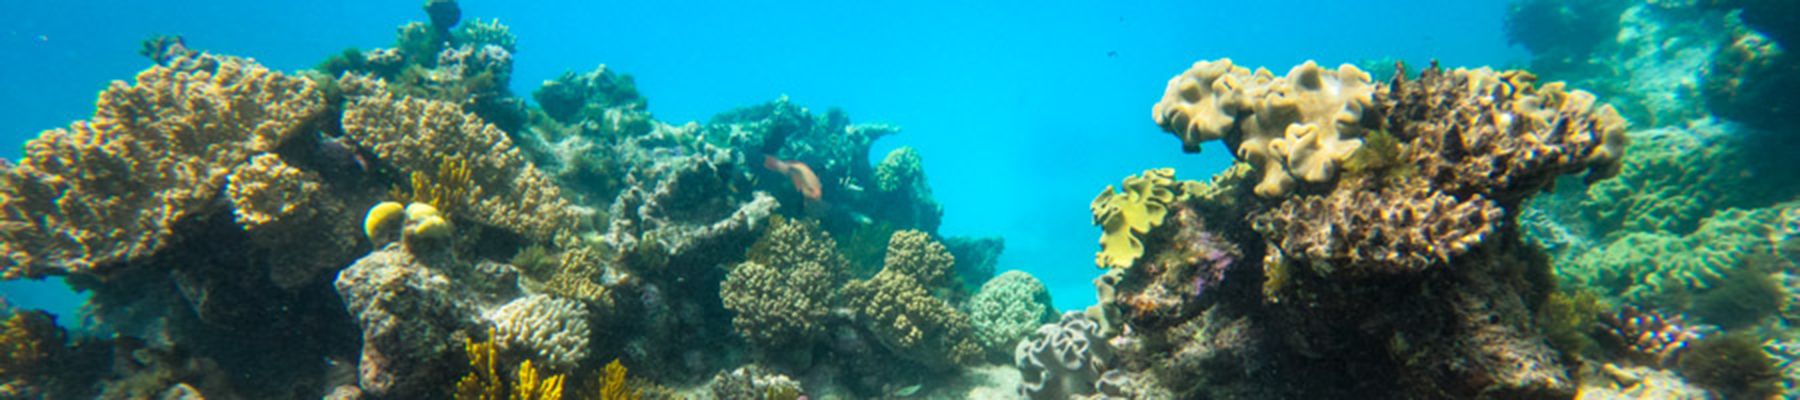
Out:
{"x": 804, "y": 180}
{"x": 909, "y": 390}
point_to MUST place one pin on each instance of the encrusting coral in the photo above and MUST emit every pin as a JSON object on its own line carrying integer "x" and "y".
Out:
{"x": 1297, "y": 126}
{"x": 76, "y": 202}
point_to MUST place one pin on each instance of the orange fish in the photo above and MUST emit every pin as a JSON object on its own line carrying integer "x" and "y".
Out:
{"x": 804, "y": 179}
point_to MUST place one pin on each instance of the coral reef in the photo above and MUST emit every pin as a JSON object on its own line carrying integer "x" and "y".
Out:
{"x": 751, "y": 382}
{"x": 1734, "y": 365}
{"x": 976, "y": 259}
{"x": 1622, "y": 383}
{"x": 484, "y": 381}
{"x": 411, "y": 316}
{"x": 1007, "y": 308}
{"x": 781, "y": 296}
{"x": 1406, "y": 229}
{"x": 1300, "y": 126}
{"x": 169, "y": 142}
{"x": 554, "y": 331}
{"x": 505, "y": 191}
{"x": 1065, "y": 360}
{"x": 896, "y": 305}
{"x": 1124, "y": 215}
{"x": 1648, "y": 337}
{"x": 1657, "y": 267}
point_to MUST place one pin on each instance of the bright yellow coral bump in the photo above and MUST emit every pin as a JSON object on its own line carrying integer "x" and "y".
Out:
{"x": 382, "y": 218}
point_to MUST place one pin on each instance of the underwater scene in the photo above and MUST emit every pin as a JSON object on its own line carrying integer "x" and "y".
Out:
{"x": 1389, "y": 199}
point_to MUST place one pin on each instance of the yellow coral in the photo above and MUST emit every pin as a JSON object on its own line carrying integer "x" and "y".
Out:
{"x": 1140, "y": 206}
{"x": 612, "y": 385}
{"x": 483, "y": 381}
{"x": 382, "y": 220}
{"x": 424, "y": 221}
{"x": 443, "y": 190}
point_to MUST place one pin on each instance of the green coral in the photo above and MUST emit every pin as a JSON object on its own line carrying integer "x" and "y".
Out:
{"x": 901, "y": 170}
{"x": 1007, "y": 309}
{"x": 899, "y": 310}
{"x": 1123, "y": 216}
{"x": 1734, "y": 365}
{"x": 1661, "y": 267}
{"x": 1670, "y": 181}
{"x": 782, "y": 294}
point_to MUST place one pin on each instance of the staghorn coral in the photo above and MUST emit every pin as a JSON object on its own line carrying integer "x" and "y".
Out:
{"x": 897, "y": 306}
{"x": 1407, "y": 229}
{"x": 1648, "y": 337}
{"x": 1123, "y": 216}
{"x": 79, "y": 201}
{"x": 1298, "y": 126}
{"x": 1007, "y": 309}
{"x": 287, "y": 213}
{"x": 552, "y": 330}
{"x": 417, "y": 135}
{"x": 1063, "y": 360}
{"x": 780, "y": 297}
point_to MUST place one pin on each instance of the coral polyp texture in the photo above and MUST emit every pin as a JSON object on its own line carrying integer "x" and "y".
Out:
{"x": 1064, "y": 360}
{"x": 1405, "y": 229}
{"x": 415, "y": 135}
{"x": 897, "y": 306}
{"x": 782, "y": 295}
{"x": 112, "y": 189}
{"x": 1298, "y": 126}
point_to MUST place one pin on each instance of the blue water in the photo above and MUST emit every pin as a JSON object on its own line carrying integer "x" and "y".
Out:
{"x": 1023, "y": 111}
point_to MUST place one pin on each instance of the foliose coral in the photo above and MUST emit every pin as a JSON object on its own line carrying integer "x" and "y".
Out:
{"x": 1125, "y": 215}
{"x": 1007, "y": 308}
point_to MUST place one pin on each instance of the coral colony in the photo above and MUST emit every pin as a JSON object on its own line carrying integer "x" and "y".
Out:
{"x": 1419, "y": 232}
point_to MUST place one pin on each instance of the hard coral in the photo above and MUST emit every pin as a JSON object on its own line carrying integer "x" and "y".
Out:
{"x": 897, "y": 306}
{"x": 782, "y": 295}
{"x": 1648, "y": 337}
{"x": 1008, "y": 308}
{"x": 415, "y": 135}
{"x": 77, "y": 202}
{"x": 1298, "y": 126}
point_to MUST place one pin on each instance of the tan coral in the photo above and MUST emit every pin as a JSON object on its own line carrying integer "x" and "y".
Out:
{"x": 109, "y": 190}
{"x": 415, "y": 135}
{"x": 1300, "y": 126}
{"x": 287, "y": 211}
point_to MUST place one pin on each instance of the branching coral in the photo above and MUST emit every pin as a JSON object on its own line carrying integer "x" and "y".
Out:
{"x": 1298, "y": 126}
{"x": 484, "y": 380}
{"x": 896, "y": 305}
{"x": 781, "y": 296}
{"x": 81, "y": 199}
{"x": 553, "y": 330}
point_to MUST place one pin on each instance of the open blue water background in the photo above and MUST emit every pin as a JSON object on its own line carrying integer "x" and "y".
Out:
{"x": 1023, "y": 110}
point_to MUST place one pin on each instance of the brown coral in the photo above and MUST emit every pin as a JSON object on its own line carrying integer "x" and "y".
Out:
{"x": 1398, "y": 229}
{"x": 1498, "y": 133}
{"x": 902, "y": 314}
{"x": 416, "y": 135}
{"x": 110, "y": 190}
{"x": 286, "y": 210}
{"x": 782, "y": 295}
{"x": 1648, "y": 337}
